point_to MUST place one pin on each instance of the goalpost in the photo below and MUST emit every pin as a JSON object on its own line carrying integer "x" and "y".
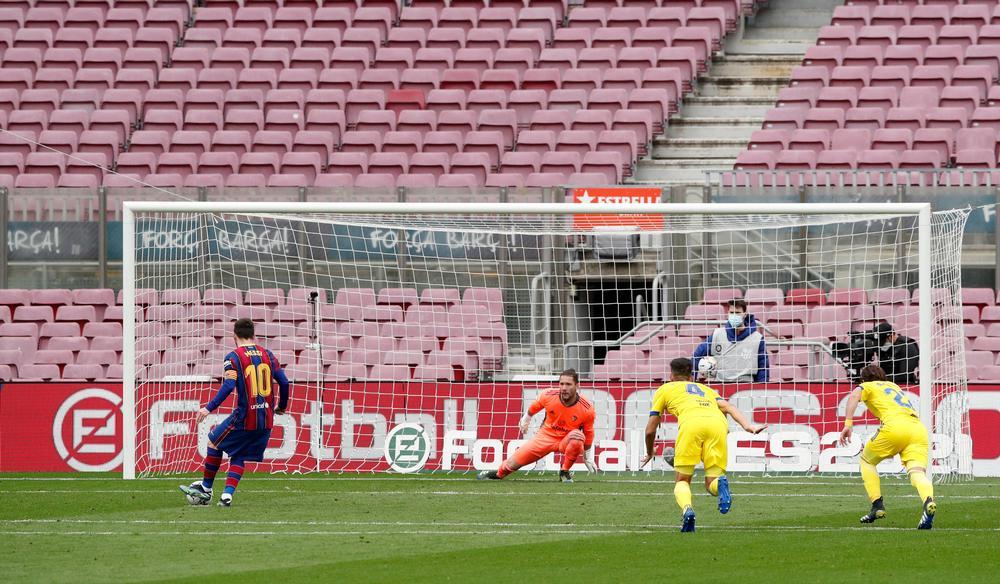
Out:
{"x": 416, "y": 334}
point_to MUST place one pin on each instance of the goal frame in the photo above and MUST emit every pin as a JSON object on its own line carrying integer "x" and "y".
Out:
{"x": 922, "y": 211}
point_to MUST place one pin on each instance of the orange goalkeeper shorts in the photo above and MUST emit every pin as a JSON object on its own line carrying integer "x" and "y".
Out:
{"x": 543, "y": 444}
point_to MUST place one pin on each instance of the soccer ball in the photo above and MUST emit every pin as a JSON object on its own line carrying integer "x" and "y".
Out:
{"x": 707, "y": 366}
{"x": 191, "y": 498}
{"x": 195, "y": 500}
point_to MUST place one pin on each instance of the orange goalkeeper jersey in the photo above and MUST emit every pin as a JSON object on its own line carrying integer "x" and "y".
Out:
{"x": 561, "y": 420}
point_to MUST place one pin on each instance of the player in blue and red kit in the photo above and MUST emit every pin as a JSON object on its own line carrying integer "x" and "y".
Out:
{"x": 250, "y": 370}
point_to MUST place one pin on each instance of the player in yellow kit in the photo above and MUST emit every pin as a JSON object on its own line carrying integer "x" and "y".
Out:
{"x": 901, "y": 433}
{"x": 701, "y": 436}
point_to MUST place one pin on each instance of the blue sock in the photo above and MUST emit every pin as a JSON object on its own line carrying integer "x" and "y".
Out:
{"x": 234, "y": 475}
{"x": 212, "y": 461}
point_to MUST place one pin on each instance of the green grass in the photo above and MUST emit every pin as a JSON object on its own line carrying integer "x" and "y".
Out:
{"x": 452, "y": 528}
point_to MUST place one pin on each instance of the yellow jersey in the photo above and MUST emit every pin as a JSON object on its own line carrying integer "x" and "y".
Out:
{"x": 885, "y": 400}
{"x": 686, "y": 399}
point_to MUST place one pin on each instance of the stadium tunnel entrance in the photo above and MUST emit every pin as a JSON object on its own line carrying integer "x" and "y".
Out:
{"x": 606, "y": 308}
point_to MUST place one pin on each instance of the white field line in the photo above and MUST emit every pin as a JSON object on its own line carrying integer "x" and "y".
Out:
{"x": 475, "y": 493}
{"x": 890, "y": 480}
{"x": 409, "y": 524}
{"x": 562, "y": 530}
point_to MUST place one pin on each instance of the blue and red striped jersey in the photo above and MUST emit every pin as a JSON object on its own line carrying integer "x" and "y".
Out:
{"x": 252, "y": 372}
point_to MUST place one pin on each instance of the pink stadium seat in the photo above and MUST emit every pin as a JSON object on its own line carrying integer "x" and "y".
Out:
{"x": 607, "y": 165}
{"x": 920, "y": 159}
{"x": 50, "y": 297}
{"x": 828, "y": 119}
{"x": 58, "y": 329}
{"x": 809, "y": 140}
{"x": 808, "y": 296}
{"x": 978, "y": 297}
{"x": 77, "y": 314}
{"x": 33, "y": 314}
{"x": 755, "y": 160}
{"x": 850, "y": 139}
{"x": 882, "y": 97}
{"x": 785, "y": 118}
{"x": 58, "y": 357}
{"x": 33, "y": 372}
{"x": 837, "y": 97}
{"x": 847, "y": 296}
{"x": 865, "y": 118}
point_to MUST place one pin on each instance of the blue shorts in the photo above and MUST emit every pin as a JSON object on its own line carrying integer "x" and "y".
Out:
{"x": 238, "y": 443}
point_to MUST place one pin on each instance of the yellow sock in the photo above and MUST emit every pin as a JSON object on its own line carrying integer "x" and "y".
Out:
{"x": 682, "y": 492}
{"x": 924, "y": 486}
{"x": 713, "y": 487}
{"x": 870, "y": 477}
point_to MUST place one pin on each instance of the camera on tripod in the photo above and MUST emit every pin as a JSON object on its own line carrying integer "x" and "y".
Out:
{"x": 858, "y": 351}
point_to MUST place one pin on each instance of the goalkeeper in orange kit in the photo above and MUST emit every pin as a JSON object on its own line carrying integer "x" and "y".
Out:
{"x": 568, "y": 428}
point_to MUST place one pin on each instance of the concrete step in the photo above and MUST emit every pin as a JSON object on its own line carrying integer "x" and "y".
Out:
{"x": 798, "y": 17}
{"x": 788, "y": 33}
{"x": 679, "y": 171}
{"x": 720, "y": 86}
{"x": 701, "y": 149}
{"x": 686, "y": 193}
{"x": 782, "y": 5}
{"x": 703, "y": 128}
{"x": 726, "y": 106}
{"x": 729, "y": 103}
{"x": 769, "y": 46}
{"x": 755, "y": 66}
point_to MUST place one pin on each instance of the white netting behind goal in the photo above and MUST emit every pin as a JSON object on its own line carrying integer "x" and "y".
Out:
{"x": 455, "y": 323}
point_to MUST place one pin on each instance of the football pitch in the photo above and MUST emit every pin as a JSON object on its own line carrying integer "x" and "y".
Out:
{"x": 433, "y": 528}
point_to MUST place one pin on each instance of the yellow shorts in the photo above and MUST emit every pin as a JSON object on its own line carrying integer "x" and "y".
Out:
{"x": 906, "y": 437}
{"x": 701, "y": 439}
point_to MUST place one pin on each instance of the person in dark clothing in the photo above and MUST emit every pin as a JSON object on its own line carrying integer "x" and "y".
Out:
{"x": 898, "y": 355}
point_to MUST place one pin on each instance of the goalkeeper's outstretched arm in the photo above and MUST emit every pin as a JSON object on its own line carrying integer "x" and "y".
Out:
{"x": 738, "y": 417}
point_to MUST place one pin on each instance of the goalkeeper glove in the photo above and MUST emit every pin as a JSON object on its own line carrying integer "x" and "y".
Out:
{"x": 588, "y": 460}
{"x": 523, "y": 425}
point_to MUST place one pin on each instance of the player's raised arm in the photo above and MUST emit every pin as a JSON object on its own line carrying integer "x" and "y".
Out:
{"x": 852, "y": 404}
{"x": 737, "y": 416}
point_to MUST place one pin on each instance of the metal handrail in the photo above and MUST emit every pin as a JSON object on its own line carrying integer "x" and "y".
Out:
{"x": 540, "y": 286}
{"x": 659, "y": 296}
{"x": 630, "y": 338}
{"x": 824, "y": 178}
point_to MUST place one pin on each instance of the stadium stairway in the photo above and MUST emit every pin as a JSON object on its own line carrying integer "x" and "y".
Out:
{"x": 729, "y": 102}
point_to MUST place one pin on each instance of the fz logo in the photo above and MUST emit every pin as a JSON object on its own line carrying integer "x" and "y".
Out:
{"x": 407, "y": 448}
{"x": 89, "y": 419}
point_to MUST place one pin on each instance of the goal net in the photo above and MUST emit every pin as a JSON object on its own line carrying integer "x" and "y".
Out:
{"x": 416, "y": 335}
